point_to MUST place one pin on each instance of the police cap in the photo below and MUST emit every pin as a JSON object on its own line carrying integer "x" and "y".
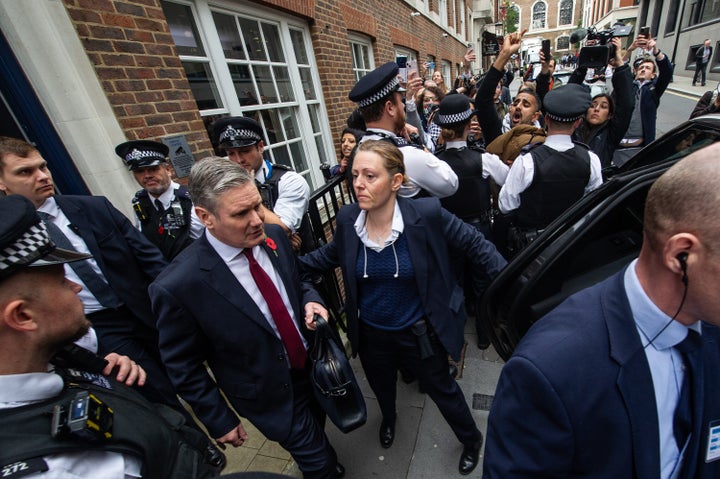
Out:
{"x": 142, "y": 153}
{"x": 236, "y": 132}
{"x": 567, "y": 103}
{"x": 376, "y": 85}
{"x": 24, "y": 240}
{"x": 454, "y": 109}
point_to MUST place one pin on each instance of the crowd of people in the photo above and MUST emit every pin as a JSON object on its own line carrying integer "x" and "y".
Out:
{"x": 209, "y": 296}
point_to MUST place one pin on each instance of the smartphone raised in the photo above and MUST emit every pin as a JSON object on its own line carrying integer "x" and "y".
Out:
{"x": 546, "y": 49}
{"x": 402, "y": 66}
{"x": 645, "y": 31}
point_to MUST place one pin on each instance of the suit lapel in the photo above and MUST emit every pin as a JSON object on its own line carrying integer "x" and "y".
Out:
{"x": 84, "y": 229}
{"x": 634, "y": 379}
{"x": 417, "y": 244}
{"x": 218, "y": 276}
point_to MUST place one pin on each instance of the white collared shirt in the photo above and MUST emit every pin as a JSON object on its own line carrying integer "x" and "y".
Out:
{"x": 240, "y": 268}
{"x": 293, "y": 196}
{"x": 522, "y": 172}
{"x": 21, "y": 389}
{"x": 90, "y": 302}
{"x": 397, "y": 227}
{"x": 666, "y": 364}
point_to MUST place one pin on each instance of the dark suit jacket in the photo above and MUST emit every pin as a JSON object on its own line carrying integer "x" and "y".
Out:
{"x": 127, "y": 259}
{"x": 430, "y": 231}
{"x": 699, "y": 54}
{"x": 204, "y": 314}
{"x": 577, "y": 400}
{"x": 705, "y": 105}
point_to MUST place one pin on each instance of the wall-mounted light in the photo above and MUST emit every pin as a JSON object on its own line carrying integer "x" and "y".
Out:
{"x": 415, "y": 14}
{"x": 445, "y": 35}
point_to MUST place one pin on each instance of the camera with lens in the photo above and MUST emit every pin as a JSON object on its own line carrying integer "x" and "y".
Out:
{"x": 599, "y": 55}
{"x": 84, "y": 417}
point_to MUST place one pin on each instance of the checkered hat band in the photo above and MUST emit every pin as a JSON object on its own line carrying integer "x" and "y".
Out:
{"x": 454, "y": 118}
{"x": 136, "y": 155}
{"x": 564, "y": 119}
{"x": 26, "y": 249}
{"x": 382, "y": 93}
{"x": 231, "y": 134}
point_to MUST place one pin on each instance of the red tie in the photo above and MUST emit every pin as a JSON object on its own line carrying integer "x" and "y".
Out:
{"x": 284, "y": 323}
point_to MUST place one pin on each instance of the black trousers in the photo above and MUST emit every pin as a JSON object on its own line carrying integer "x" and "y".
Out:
{"x": 700, "y": 68}
{"x": 383, "y": 352}
{"x": 307, "y": 442}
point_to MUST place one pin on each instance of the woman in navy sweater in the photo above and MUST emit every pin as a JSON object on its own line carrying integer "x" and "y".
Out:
{"x": 404, "y": 305}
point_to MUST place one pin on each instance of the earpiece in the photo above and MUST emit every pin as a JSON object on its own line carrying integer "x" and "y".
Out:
{"x": 682, "y": 258}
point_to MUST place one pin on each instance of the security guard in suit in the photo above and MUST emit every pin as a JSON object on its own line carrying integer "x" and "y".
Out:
{"x": 163, "y": 209}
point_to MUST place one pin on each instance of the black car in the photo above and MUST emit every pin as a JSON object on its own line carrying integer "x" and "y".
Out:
{"x": 595, "y": 238}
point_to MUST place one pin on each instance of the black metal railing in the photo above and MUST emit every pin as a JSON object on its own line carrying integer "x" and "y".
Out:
{"x": 325, "y": 202}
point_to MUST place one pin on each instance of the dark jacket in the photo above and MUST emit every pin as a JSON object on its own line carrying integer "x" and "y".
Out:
{"x": 580, "y": 382}
{"x": 705, "y": 105}
{"x": 606, "y": 138}
{"x": 128, "y": 260}
{"x": 650, "y": 98}
{"x": 204, "y": 314}
{"x": 488, "y": 118}
{"x": 431, "y": 231}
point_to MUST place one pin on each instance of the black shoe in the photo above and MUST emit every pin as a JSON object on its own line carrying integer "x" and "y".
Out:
{"x": 215, "y": 457}
{"x": 387, "y": 433}
{"x": 453, "y": 371}
{"x": 339, "y": 471}
{"x": 469, "y": 458}
{"x": 702, "y": 84}
{"x": 694, "y": 84}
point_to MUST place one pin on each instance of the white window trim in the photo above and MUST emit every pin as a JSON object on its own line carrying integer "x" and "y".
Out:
{"x": 532, "y": 15}
{"x": 572, "y": 14}
{"x": 211, "y": 41}
{"x": 365, "y": 41}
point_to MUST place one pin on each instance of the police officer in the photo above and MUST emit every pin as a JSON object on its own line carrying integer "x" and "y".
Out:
{"x": 546, "y": 179}
{"x": 285, "y": 193}
{"x": 69, "y": 422}
{"x": 472, "y": 202}
{"x": 379, "y": 98}
{"x": 163, "y": 209}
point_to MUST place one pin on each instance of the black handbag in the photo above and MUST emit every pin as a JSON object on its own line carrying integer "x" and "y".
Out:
{"x": 333, "y": 380}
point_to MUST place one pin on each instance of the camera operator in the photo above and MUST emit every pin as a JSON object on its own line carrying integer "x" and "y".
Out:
{"x": 70, "y": 422}
{"x": 652, "y": 77}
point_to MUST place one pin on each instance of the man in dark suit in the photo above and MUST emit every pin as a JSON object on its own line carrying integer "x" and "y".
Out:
{"x": 702, "y": 58}
{"x": 234, "y": 300}
{"x": 606, "y": 385}
{"x": 122, "y": 258}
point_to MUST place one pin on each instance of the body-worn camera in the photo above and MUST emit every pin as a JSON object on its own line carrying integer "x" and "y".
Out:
{"x": 84, "y": 417}
{"x": 599, "y": 55}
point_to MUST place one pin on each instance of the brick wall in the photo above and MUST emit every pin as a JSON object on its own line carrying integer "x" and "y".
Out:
{"x": 129, "y": 43}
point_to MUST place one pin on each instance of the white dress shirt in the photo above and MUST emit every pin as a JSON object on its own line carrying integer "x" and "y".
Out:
{"x": 240, "y": 268}
{"x": 20, "y": 389}
{"x": 666, "y": 365}
{"x": 293, "y": 195}
{"x": 90, "y": 302}
{"x": 522, "y": 172}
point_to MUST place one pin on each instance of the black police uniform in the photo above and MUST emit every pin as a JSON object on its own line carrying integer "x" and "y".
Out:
{"x": 559, "y": 178}
{"x": 169, "y": 229}
{"x": 167, "y": 448}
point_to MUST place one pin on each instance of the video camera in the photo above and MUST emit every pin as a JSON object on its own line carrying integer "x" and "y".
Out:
{"x": 599, "y": 55}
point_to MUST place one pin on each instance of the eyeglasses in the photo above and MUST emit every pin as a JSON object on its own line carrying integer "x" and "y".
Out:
{"x": 430, "y": 98}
